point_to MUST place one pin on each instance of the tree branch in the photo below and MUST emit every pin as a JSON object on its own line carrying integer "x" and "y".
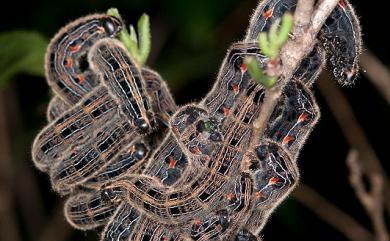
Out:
{"x": 307, "y": 24}
{"x": 353, "y": 132}
{"x": 331, "y": 214}
{"x": 372, "y": 200}
{"x": 377, "y": 72}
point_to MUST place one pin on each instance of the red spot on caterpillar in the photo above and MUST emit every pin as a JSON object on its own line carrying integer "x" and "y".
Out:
{"x": 267, "y": 14}
{"x": 158, "y": 179}
{"x": 131, "y": 150}
{"x": 235, "y": 88}
{"x": 81, "y": 78}
{"x": 273, "y": 180}
{"x": 303, "y": 117}
{"x": 259, "y": 194}
{"x": 226, "y": 111}
{"x": 172, "y": 163}
{"x": 230, "y": 196}
{"x": 218, "y": 227}
{"x": 74, "y": 48}
{"x": 197, "y": 222}
{"x": 175, "y": 129}
{"x": 69, "y": 63}
{"x": 287, "y": 139}
{"x": 101, "y": 29}
{"x": 342, "y": 4}
{"x": 243, "y": 67}
{"x": 196, "y": 150}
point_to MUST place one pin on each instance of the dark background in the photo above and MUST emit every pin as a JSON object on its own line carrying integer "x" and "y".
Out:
{"x": 190, "y": 39}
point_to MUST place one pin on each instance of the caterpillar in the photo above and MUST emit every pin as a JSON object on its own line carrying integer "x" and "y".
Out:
{"x": 133, "y": 161}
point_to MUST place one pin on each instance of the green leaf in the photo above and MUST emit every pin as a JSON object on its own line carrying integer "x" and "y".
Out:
{"x": 254, "y": 69}
{"x": 130, "y": 42}
{"x": 21, "y": 51}
{"x": 144, "y": 37}
{"x": 257, "y": 73}
{"x": 273, "y": 37}
{"x": 114, "y": 12}
{"x": 285, "y": 29}
{"x": 133, "y": 34}
{"x": 265, "y": 45}
{"x": 271, "y": 43}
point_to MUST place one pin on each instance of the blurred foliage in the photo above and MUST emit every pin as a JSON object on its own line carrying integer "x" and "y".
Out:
{"x": 21, "y": 52}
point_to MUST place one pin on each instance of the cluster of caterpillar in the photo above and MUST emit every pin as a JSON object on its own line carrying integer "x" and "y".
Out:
{"x": 129, "y": 159}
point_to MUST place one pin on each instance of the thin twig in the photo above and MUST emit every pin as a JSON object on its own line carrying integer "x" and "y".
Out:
{"x": 331, "y": 214}
{"x": 352, "y": 131}
{"x": 303, "y": 15}
{"x": 307, "y": 24}
{"x": 371, "y": 200}
{"x": 377, "y": 73}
